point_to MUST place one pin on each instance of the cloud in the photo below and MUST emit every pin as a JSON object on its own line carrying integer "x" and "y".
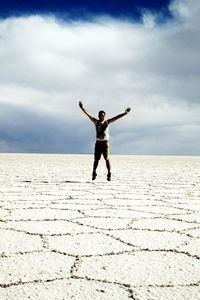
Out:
{"x": 48, "y": 65}
{"x": 186, "y": 11}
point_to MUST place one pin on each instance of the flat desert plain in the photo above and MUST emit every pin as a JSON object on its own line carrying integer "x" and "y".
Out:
{"x": 64, "y": 236}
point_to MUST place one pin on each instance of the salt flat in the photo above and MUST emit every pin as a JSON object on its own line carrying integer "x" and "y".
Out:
{"x": 64, "y": 236}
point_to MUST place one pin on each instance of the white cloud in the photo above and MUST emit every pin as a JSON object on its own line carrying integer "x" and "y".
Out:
{"x": 48, "y": 65}
{"x": 149, "y": 20}
{"x": 187, "y": 11}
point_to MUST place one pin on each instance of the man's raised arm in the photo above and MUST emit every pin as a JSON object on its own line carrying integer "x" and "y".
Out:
{"x": 93, "y": 119}
{"x": 119, "y": 116}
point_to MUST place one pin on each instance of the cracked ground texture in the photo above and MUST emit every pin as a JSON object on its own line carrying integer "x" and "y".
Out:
{"x": 64, "y": 236}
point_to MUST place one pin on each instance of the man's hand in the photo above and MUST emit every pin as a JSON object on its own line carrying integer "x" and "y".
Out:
{"x": 93, "y": 119}
{"x": 81, "y": 104}
{"x": 127, "y": 110}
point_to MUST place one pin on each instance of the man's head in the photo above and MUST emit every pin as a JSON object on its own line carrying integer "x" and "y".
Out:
{"x": 102, "y": 115}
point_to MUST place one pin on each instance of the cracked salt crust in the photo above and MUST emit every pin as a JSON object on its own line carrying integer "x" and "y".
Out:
{"x": 104, "y": 223}
{"x": 190, "y": 217}
{"x": 48, "y": 227}
{"x": 67, "y": 289}
{"x": 87, "y": 244}
{"x": 12, "y": 242}
{"x": 3, "y": 213}
{"x": 161, "y": 223}
{"x": 67, "y": 237}
{"x": 163, "y": 293}
{"x": 194, "y": 232}
{"x": 44, "y": 214}
{"x": 192, "y": 247}
{"x": 72, "y": 206}
{"x": 143, "y": 268}
{"x": 34, "y": 266}
{"x": 153, "y": 240}
{"x": 116, "y": 213}
{"x": 162, "y": 209}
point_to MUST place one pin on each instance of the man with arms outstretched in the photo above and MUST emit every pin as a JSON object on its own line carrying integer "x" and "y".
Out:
{"x": 102, "y": 138}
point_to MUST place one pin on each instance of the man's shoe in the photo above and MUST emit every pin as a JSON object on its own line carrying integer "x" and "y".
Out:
{"x": 109, "y": 176}
{"x": 94, "y": 175}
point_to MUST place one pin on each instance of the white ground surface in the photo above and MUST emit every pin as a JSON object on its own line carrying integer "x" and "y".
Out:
{"x": 64, "y": 236}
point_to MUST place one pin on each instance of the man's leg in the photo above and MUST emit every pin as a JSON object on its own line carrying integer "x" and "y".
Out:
{"x": 109, "y": 169}
{"x": 106, "y": 156}
{"x": 97, "y": 156}
{"x": 108, "y": 165}
{"x": 95, "y": 165}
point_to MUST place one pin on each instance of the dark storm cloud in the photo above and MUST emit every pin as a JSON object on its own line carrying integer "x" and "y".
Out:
{"x": 48, "y": 65}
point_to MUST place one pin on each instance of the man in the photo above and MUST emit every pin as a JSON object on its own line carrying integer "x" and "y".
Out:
{"x": 102, "y": 138}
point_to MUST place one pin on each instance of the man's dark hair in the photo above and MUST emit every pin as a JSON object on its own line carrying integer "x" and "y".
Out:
{"x": 102, "y": 112}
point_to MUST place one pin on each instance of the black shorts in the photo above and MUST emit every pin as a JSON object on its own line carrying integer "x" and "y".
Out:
{"x": 101, "y": 148}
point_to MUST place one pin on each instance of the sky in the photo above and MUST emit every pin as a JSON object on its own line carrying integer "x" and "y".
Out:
{"x": 110, "y": 55}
